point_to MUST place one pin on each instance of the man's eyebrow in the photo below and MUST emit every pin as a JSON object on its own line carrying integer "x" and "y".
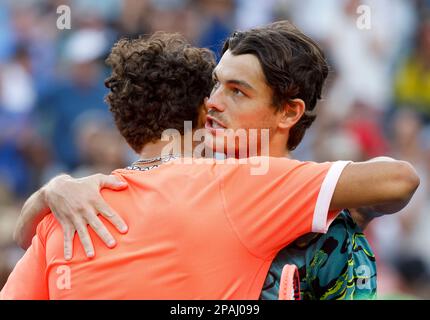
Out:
{"x": 236, "y": 82}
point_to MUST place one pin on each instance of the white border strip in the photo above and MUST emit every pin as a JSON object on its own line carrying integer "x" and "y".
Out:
{"x": 319, "y": 222}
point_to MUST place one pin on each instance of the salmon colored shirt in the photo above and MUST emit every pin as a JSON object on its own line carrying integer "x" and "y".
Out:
{"x": 200, "y": 231}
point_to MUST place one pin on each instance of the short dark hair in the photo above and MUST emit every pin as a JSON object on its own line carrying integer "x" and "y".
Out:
{"x": 293, "y": 64}
{"x": 157, "y": 84}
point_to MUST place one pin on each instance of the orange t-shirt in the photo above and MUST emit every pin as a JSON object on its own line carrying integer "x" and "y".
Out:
{"x": 200, "y": 231}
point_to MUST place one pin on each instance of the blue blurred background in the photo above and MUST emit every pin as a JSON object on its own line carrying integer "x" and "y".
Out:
{"x": 376, "y": 102}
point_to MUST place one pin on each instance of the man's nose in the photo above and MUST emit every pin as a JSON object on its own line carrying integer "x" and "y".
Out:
{"x": 215, "y": 101}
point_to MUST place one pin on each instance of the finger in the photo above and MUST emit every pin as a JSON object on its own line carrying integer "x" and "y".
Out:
{"x": 99, "y": 228}
{"x": 84, "y": 236}
{"x": 69, "y": 234}
{"x": 111, "y": 182}
{"x": 114, "y": 218}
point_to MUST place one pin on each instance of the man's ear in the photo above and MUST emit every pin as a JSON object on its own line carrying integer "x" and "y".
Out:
{"x": 293, "y": 111}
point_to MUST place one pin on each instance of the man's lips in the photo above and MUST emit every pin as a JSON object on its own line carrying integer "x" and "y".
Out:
{"x": 213, "y": 124}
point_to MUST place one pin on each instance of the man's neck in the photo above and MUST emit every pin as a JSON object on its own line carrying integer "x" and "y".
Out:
{"x": 279, "y": 154}
{"x": 156, "y": 149}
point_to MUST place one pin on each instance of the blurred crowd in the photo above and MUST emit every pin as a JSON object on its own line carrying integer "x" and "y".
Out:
{"x": 376, "y": 102}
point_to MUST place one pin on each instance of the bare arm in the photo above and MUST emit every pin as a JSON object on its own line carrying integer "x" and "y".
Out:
{"x": 33, "y": 211}
{"x": 384, "y": 185}
{"x": 364, "y": 215}
{"x": 75, "y": 204}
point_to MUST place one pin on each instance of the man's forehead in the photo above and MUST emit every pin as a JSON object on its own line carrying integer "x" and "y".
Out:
{"x": 244, "y": 67}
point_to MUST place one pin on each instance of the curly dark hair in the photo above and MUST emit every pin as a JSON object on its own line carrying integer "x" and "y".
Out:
{"x": 157, "y": 84}
{"x": 293, "y": 64}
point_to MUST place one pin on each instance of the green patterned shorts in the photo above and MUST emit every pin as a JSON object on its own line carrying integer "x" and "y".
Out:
{"x": 337, "y": 265}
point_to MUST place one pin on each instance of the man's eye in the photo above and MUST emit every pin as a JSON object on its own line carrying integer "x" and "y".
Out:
{"x": 237, "y": 92}
{"x": 215, "y": 84}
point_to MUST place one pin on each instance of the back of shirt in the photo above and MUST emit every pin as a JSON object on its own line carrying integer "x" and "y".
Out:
{"x": 200, "y": 231}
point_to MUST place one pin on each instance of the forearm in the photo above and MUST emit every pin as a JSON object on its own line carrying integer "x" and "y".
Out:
{"x": 364, "y": 215}
{"x": 33, "y": 211}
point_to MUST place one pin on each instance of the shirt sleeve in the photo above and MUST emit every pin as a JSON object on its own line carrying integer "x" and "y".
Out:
{"x": 28, "y": 279}
{"x": 268, "y": 211}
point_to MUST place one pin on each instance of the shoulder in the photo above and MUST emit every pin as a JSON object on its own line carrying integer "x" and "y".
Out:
{"x": 46, "y": 227}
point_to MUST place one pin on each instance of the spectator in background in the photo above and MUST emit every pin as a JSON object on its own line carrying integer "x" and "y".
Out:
{"x": 335, "y": 24}
{"x": 363, "y": 123}
{"x": 80, "y": 90}
{"x": 17, "y": 99}
{"x": 6, "y": 34}
{"x": 217, "y": 24}
{"x": 100, "y": 146}
{"x": 133, "y": 19}
{"x": 28, "y": 50}
{"x": 402, "y": 241}
{"x": 183, "y": 16}
{"x": 255, "y": 13}
{"x": 412, "y": 82}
